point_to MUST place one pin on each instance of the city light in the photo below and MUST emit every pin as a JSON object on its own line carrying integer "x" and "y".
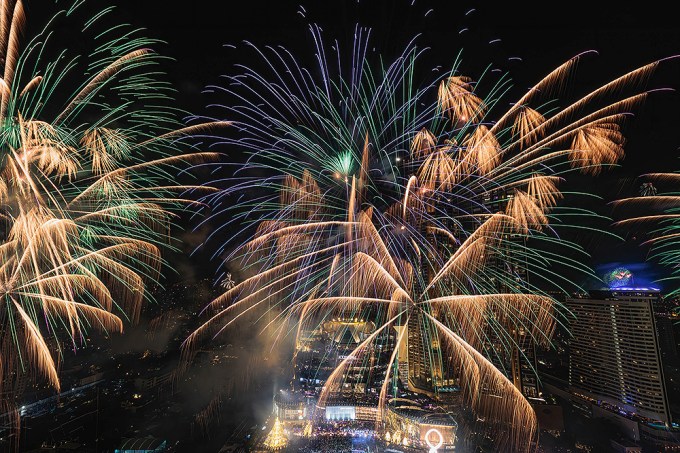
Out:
{"x": 434, "y": 444}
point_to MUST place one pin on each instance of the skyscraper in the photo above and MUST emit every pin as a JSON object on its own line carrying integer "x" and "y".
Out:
{"x": 420, "y": 363}
{"x": 512, "y": 350}
{"x": 615, "y": 355}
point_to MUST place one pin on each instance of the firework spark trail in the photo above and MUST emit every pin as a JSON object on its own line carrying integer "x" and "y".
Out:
{"x": 505, "y": 305}
{"x": 390, "y": 206}
{"x": 87, "y": 194}
{"x": 658, "y": 215}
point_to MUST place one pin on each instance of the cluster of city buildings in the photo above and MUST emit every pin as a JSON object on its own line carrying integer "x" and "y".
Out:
{"x": 612, "y": 365}
{"x": 622, "y": 357}
{"x": 410, "y": 421}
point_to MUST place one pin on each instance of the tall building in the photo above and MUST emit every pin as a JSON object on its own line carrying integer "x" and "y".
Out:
{"x": 512, "y": 350}
{"x": 420, "y": 362}
{"x": 421, "y": 366}
{"x": 615, "y": 353}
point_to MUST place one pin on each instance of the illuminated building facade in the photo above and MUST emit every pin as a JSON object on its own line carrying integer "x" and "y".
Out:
{"x": 409, "y": 424}
{"x": 348, "y": 411}
{"x": 291, "y": 407}
{"x": 615, "y": 353}
{"x": 344, "y": 334}
{"x": 322, "y": 350}
{"x": 340, "y": 413}
{"x": 421, "y": 366}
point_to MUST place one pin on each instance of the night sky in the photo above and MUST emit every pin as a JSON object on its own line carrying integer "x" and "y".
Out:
{"x": 626, "y": 37}
{"x": 543, "y": 35}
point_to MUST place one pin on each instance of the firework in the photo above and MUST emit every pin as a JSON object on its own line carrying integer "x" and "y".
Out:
{"x": 421, "y": 215}
{"x": 619, "y": 277}
{"x": 656, "y": 214}
{"x": 86, "y": 189}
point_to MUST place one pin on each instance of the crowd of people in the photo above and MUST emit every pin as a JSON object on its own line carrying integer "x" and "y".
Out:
{"x": 334, "y": 442}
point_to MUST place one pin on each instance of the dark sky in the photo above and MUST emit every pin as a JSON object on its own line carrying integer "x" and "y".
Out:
{"x": 543, "y": 35}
